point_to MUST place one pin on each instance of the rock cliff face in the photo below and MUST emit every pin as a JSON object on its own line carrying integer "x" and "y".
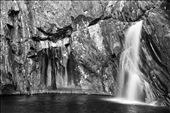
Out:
{"x": 77, "y": 45}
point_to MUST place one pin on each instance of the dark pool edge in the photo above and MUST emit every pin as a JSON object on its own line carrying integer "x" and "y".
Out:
{"x": 85, "y": 92}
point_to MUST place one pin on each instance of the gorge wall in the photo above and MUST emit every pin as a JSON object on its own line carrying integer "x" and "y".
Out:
{"x": 85, "y": 51}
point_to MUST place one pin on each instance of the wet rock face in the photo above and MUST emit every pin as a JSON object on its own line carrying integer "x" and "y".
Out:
{"x": 38, "y": 64}
{"x": 87, "y": 54}
{"x": 90, "y": 54}
{"x": 96, "y": 50}
{"x": 156, "y": 53}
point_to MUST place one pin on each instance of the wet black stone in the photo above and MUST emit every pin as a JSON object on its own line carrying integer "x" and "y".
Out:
{"x": 13, "y": 13}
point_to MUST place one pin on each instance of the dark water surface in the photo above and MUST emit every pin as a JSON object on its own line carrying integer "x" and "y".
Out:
{"x": 69, "y": 103}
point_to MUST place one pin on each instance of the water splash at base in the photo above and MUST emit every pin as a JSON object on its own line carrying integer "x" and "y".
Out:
{"x": 125, "y": 101}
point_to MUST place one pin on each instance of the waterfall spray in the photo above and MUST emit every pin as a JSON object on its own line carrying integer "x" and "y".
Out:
{"x": 129, "y": 80}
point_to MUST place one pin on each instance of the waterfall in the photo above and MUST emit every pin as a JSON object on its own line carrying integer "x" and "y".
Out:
{"x": 129, "y": 75}
{"x": 132, "y": 89}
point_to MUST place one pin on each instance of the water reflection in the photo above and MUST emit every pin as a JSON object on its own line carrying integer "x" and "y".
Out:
{"x": 57, "y": 103}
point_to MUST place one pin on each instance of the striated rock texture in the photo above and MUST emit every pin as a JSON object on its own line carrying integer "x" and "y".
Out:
{"x": 31, "y": 65}
{"x": 52, "y": 45}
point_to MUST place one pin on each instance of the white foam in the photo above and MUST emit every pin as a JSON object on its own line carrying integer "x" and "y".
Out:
{"x": 126, "y": 101}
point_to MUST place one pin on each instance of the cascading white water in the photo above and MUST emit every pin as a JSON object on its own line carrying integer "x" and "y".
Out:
{"x": 129, "y": 80}
{"x": 132, "y": 89}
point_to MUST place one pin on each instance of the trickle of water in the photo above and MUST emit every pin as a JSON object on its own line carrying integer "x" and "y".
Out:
{"x": 129, "y": 80}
